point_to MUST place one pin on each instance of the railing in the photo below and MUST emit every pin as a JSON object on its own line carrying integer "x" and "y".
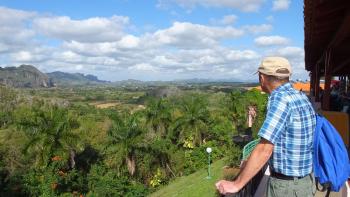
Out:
{"x": 251, "y": 187}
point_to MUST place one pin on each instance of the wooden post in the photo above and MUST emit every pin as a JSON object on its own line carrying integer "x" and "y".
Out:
{"x": 317, "y": 83}
{"x": 327, "y": 83}
{"x": 312, "y": 81}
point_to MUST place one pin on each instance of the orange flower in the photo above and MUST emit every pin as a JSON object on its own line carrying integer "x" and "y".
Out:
{"x": 56, "y": 158}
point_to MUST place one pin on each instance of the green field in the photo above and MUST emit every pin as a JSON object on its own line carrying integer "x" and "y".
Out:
{"x": 195, "y": 184}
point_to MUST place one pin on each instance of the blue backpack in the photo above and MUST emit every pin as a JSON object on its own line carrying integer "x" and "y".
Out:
{"x": 330, "y": 156}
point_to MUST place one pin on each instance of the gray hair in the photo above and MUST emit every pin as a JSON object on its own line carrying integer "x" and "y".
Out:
{"x": 274, "y": 79}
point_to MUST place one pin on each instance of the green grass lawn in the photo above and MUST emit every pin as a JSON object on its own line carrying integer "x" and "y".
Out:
{"x": 195, "y": 184}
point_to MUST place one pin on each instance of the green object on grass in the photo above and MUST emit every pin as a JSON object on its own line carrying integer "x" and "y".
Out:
{"x": 248, "y": 148}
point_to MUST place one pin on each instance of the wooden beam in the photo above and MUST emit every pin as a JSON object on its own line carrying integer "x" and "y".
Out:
{"x": 343, "y": 31}
{"x": 341, "y": 66}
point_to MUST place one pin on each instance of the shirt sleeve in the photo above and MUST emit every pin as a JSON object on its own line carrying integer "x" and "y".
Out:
{"x": 277, "y": 114}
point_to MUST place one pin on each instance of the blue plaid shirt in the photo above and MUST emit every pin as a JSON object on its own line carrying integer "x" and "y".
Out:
{"x": 289, "y": 125}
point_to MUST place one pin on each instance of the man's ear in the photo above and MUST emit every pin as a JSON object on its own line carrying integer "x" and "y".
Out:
{"x": 262, "y": 78}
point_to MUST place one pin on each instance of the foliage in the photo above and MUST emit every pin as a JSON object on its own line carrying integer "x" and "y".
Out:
{"x": 234, "y": 156}
{"x": 125, "y": 137}
{"x": 48, "y": 130}
{"x": 8, "y": 100}
{"x": 240, "y": 101}
{"x": 158, "y": 116}
{"x": 103, "y": 182}
{"x": 57, "y": 142}
{"x": 156, "y": 179}
{"x": 193, "y": 121}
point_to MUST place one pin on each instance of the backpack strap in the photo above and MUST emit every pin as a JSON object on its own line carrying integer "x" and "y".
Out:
{"x": 325, "y": 187}
{"x": 328, "y": 192}
{"x": 321, "y": 187}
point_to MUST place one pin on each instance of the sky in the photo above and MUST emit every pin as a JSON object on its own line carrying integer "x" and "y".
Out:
{"x": 152, "y": 39}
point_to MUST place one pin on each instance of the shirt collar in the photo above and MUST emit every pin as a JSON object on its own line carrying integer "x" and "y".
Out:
{"x": 282, "y": 87}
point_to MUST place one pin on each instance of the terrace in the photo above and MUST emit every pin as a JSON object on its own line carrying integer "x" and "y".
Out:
{"x": 327, "y": 56}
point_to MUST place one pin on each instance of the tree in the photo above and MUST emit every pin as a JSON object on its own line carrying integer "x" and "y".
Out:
{"x": 161, "y": 151}
{"x": 237, "y": 109}
{"x": 158, "y": 116}
{"x": 240, "y": 102}
{"x": 8, "y": 99}
{"x": 192, "y": 124}
{"x": 49, "y": 132}
{"x": 125, "y": 136}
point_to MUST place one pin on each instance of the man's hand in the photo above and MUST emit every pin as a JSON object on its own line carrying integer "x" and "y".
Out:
{"x": 227, "y": 187}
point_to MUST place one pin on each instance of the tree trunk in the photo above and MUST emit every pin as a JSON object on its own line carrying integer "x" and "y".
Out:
{"x": 72, "y": 158}
{"x": 167, "y": 165}
{"x": 130, "y": 161}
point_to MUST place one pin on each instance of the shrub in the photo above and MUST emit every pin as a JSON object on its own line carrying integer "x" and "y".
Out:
{"x": 103, "y": 182}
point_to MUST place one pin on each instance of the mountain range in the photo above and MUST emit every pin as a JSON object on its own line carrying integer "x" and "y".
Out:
{"x": 28, "y": 76}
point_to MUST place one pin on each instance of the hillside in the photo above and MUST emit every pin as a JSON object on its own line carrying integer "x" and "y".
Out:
{"x": 195, "y": 184}
{"x": 24, "y": 76}
{"x": 28, "y": 76}
{"x": 64, "y": 79}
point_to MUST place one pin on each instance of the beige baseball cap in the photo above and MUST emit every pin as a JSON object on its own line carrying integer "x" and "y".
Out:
{"x": 275, "y": 66}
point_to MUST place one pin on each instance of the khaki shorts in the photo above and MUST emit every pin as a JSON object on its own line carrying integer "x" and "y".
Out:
{"x": 303, "y": 187}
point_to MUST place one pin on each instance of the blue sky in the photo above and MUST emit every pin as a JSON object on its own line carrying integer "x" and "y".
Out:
{"x": 153, "y": 39}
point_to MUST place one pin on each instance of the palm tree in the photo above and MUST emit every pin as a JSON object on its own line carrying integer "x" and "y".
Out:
{"x": 161, "y": 150}
{"x": 194, "y": 119}
{"x": 8, "y": 100}
{"x": 125, "y": 137}
{"x": 158, "y": 116}
{"x": 49, "y": 132}
{"x": 237, "y": 108}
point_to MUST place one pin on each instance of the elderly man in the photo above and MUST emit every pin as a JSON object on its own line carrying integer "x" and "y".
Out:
{"x": 286, "y": 137}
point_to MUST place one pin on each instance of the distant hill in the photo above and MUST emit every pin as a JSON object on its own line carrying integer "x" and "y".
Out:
{"x": 27, "y": 76}
{"x": 24, "y": 76}
{"x": 67, "y": 79}
{"x": 129, "y": 82}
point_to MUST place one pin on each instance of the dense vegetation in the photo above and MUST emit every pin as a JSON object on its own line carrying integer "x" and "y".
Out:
{"x": 59, "y": 142}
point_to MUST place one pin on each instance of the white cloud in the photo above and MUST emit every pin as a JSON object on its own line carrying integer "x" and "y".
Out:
{"x": 89, "y": 30}
{"x": 246, "y": 5}
{"x": 228, "y": 19}
{"x": 23, "y": 56}
{"x": 257, "y": 29}
{"x": 92, "y": 49}
{"x": 188, "y": 35}
{"x": 242, "y": 55}
{"x": 281, "y": 5}
{"x": 264, "y": 41}
{"x": 164, "y": 60}
{"x": 14, "y": 17}
{"x": 225, "y": 20}
{"x": 129, "y": 41}
{"x": 143, "y": 67}
{"x": 14, "y": 33}
{"x": 35, "y": 54}
{"x": 102, "y": 46}
{"x": 291, "y": 52}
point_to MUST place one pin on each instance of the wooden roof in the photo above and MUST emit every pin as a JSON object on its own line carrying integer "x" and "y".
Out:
{"x": 327, "y": 34}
